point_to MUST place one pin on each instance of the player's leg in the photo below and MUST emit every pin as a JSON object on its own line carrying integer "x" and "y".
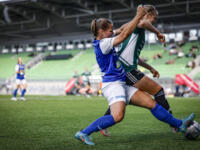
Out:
{"x": 117, "y": 102}
{"x": 144, "y": 83}
{"x": 24, "y": 86}
{"x": 153, "y": 88}
{"x": 105, "y": 132}
{"x": 139, "y": 80}
{"x": 117, "y": 114}
{"x": 144, "y": 100}
{"x": 88, "y": 91}
{"x": 14, "y": 98}
{"x": 77, "y": 91}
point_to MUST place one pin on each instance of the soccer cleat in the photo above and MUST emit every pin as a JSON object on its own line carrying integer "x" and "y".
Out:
{"x": 105, "y": 132}
{"x": 14, "y": 99}
{"x": 84, "y": 138}
{"x": 22, "y": 98}
{"x": 186, "y": 122}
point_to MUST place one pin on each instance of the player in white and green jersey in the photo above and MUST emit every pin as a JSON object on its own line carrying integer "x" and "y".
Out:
{"x": 86, "y": 81}
{"x": 77, "y": 84}
{"x": 130, "y": 49}
{"x": 85, "y": 77}
{"x": 129, "y": 52}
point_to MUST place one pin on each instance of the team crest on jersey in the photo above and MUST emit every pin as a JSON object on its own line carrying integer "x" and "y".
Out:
{"x": 118, "y": 64}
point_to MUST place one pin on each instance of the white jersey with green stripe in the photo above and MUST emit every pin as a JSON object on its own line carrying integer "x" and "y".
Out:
{"x": 130, "y": 49}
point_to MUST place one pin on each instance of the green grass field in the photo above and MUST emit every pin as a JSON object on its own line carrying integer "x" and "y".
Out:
{"x": 50, "y": 122}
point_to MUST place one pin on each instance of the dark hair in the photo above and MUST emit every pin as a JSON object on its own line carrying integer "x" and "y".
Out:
{"x": 151, "y": 9}
{"x": 101, "y": 23}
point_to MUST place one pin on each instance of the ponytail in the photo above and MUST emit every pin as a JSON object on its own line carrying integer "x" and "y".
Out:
{"x": 101, "y": 23}
{"x": 93, "y": 27}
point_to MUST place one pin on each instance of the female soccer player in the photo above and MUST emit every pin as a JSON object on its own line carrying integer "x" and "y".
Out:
{"x": 129, "y": 62}
{"x": 129, "y": 52}
{"x": 113, "y": 77}
{"x": 20, "y": 80}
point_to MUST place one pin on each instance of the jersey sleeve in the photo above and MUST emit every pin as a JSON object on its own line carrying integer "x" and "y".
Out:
{"x": 106, "y": 45}
{"x": 17, "y": 68}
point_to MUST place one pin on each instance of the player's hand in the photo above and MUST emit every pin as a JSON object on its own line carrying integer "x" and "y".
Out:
{"x": 141, "y": 11}
{"x": 161, "y": 38}
{"x": 155, "y": 73}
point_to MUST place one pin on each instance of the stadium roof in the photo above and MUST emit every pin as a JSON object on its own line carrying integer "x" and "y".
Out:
{"x": 39, "y": 20}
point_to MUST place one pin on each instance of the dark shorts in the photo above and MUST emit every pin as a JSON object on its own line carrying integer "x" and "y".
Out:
{"x": 134, "y": 76}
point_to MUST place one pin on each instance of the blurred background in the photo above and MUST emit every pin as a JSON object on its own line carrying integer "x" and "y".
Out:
{"x": 53, "y": 38}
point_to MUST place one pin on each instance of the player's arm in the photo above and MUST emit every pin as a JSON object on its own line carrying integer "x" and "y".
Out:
{"x": 17, "y": 69}
{"x": 144, "y": 64}
{"x": 148, "y": 26}
{"x": 119, "y": 30}
{"x": 149, "y": 67}
{"x": 129, "y": 28}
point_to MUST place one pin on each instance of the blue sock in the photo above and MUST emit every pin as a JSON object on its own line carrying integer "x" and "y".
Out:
{"x": 15, "y": 92}
{"x": 23, "y": 92}
{"x": 163, "y": 115}
{"x": 100, "y": 123}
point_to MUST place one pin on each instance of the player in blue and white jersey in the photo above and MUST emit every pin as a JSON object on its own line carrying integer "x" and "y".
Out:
{"x": 114, "y": 88}
{"x": 20, "y": 80}
{"x": 129, "y": 52}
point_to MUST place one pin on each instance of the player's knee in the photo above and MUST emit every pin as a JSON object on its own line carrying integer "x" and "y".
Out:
{"x": 159, "y": 88}
{"x": 159, "y": 92}
{"x": 151, "y": 104}
{"x": 119, "y": 116}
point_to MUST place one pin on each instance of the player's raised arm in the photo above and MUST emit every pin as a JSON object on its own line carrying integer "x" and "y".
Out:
{"x": 147, "y": 22}
{"x": 119, "y": 30}
{"x": 129, "y": 28}
{"x": 148, "y": 26}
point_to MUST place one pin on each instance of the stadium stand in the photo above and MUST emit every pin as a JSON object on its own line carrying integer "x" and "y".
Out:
{"x": 179, "y": 65}
{"x": 72, "y": 52}
{"x": 62, "y": 69}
